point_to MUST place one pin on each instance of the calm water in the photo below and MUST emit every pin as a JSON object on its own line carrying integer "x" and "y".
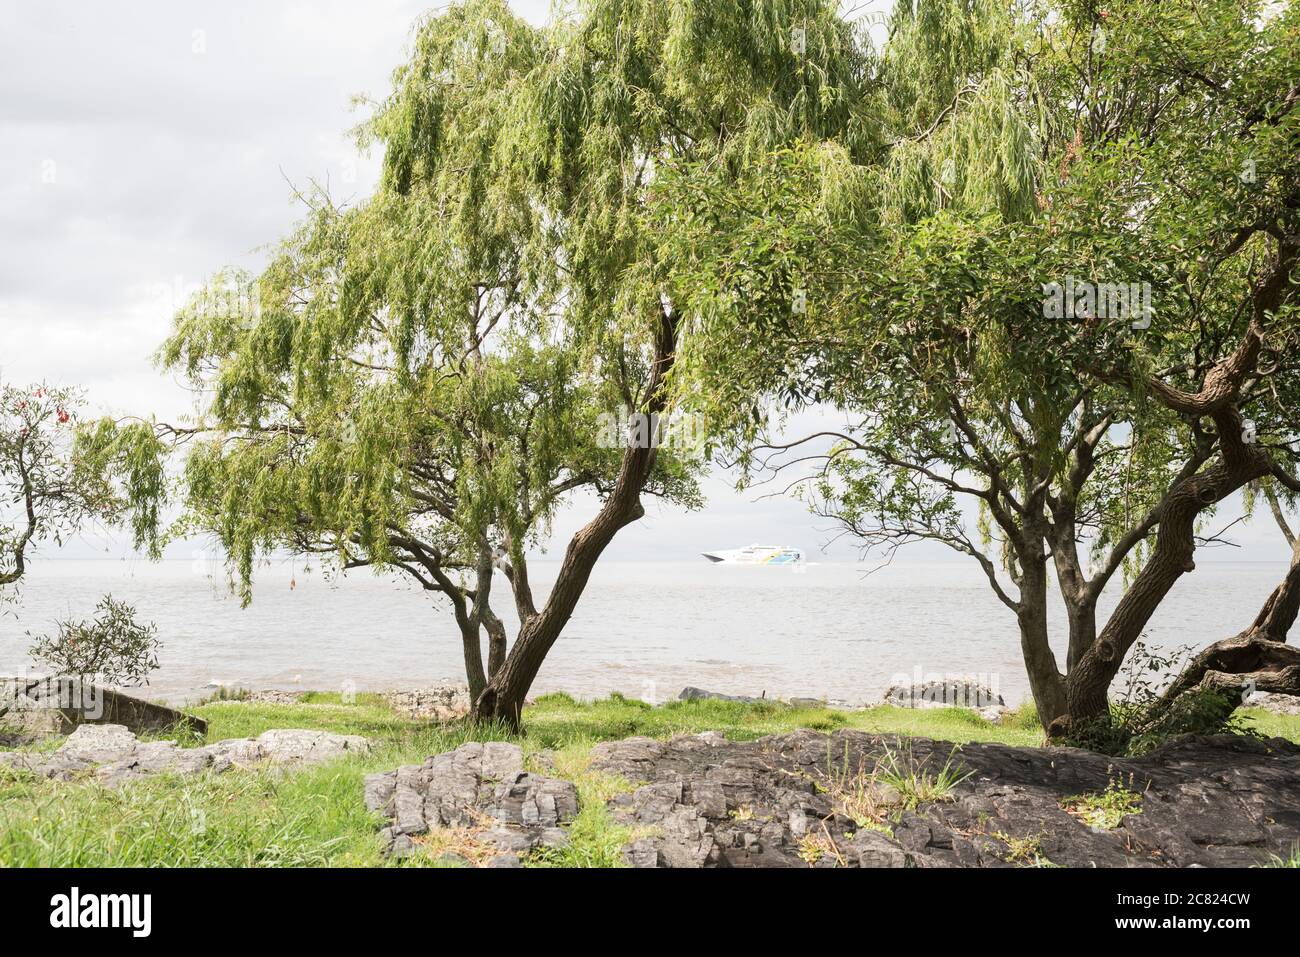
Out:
{"x": 645, "y": 629}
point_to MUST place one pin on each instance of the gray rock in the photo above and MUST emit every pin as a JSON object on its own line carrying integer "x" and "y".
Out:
{"x": 699, "y": 694}
{"x": 438, "y": 703}
{"x": 1270, "y": 701}
{"x": 1204, "y": 801}
{"x": 479, "y": 786}
{"x": 34, "y": 708}
{"x": 114, "y": 755}
{"x": 294, "y": 746}
{"x": 944, "y": 693}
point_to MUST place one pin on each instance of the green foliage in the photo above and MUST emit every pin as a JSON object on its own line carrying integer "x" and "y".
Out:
{"x": 415, "y": 383}
{"x": 1024, "y": 851}
{"x": 113, "y": 647}
{"x": 902, "y": 275}
{"x": 1140, "y": 720}
{"x": 53, "y": 481}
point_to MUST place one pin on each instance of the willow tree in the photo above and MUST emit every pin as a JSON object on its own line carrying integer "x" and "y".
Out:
{"x": 1061, "y": 292}
{"x": 55, "y": 481}
{"x": 417, "y": 383}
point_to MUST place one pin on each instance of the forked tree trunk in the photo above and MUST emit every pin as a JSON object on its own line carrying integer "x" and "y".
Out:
{"x": 503, "y": 698}
{"x": 1088, "y": 683}
{"x": 1240, "y": 461}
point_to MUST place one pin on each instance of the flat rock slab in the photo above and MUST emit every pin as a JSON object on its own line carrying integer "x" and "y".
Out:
{"x": 35, "y": 708}
{"x": 708, "y": 802}
{"x": 112, "y": 754}
{"x": 481, "y": 787}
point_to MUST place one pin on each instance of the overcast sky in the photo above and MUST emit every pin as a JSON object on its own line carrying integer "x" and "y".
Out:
{"x": 147, "y": 145}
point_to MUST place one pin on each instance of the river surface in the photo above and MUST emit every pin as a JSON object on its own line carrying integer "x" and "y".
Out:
{"x": 644, "y": 629}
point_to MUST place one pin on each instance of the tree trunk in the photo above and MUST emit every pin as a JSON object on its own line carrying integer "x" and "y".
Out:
{"x": 1279, "y": 613}
{"x": 474, "y": 675}
{"x": 1082, "y": 614}
{"x": 1045, "y": 679}
{"x": 1258, "y": 659}
{"x": 1087, "y": 684}
{"x": 496, "y": 644}
{"x": 1235, "y": 667}
{"x": 503, "y": 698}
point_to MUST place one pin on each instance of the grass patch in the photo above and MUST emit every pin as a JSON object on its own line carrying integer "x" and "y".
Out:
{"x": 1270, "y": 725}
{"x": 369, "y": 715}
{"x": 595, "y": 840}
{"x": 1292, "y": 860}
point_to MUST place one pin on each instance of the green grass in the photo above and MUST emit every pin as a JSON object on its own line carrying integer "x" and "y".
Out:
{"x": 1270, "y": 725}
{"x": 369, "y": 715}
{"x": 915, "y": 783}
{"x": 1292, "y": 860}
{"x": 315, "y": 816}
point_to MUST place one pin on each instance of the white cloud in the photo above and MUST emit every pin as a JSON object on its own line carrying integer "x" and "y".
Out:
{"x": 147, "y": 146}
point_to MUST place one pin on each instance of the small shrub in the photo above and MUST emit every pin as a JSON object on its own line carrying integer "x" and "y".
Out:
{"x": 1138, "y": 720}
{"x": 1025, "y": 851}
{"x": 113, "y": 647}
{"x": 815, "y": 845}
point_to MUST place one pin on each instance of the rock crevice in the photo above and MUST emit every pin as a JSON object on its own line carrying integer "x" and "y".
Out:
{"x": 479, "y": 787}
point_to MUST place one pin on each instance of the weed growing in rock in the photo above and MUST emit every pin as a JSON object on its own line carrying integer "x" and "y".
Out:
{"x": 913, "y": 783}
{"x": 1106, "y": 809}
{"x": 1025, "y": 851}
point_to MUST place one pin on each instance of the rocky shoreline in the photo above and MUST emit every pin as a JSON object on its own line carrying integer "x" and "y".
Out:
{"x": 807, "y": 799}
{"x": 447, "y": 701}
